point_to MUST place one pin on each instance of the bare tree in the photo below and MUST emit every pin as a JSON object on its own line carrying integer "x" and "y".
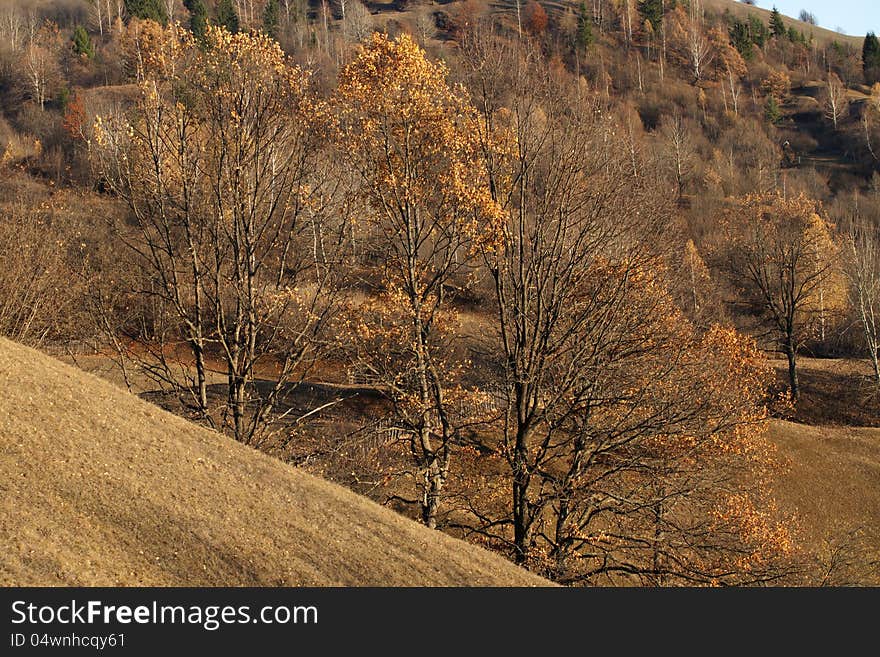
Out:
{"x": 12, "y": 26}
{"x": 679, "y": 150}
{"x": 835, "y": 100}
{"x": 862, "y": 268}
{"x": 807, "y": 17}
{"x": 358, "y": 22}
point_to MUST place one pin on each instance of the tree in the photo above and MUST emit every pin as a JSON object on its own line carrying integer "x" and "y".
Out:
{"x": 153, "y": 10}
{"x": 759, "y": 31}
{"x": 227, "y": 17}
{"x": 772, "y": 112}
{"x": 742, "y": 39}
{"x": 409, "y": 139}
{"x": 733, "y": 68}
{"x": 776, "y": 85}
{"x": 861, "y": 259}
{"x": 584, "y": 38}
{"x": 232, "y": 230}
{"x": 835, "y": 100}
{"x": 82, "y": 43}
{"x": 586, "y": 341}
{"x": 535, "y": 18}
{"x": 691, "y": 45}
{"x": 272, "y": 18}
{"x": 782, "y": 254}
{"x": 40, "y": 62}
{"x": 777, "y": 26}
{"x": 198, "y": 18}
{"x": 358, "y": 22}
{"x": 808, "y": 17}
{"x": 871, "y": 58}
{"x": 653, "y": 11}
{"x": 679, "y": 150}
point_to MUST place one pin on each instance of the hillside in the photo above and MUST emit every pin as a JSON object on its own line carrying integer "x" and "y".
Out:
{"x": 823, "y": 36}
{"x": 832, "y": 484}
{"x": 101, "y": 488}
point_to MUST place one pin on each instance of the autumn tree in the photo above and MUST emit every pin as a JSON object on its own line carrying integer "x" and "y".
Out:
{"x": 408, "y": 136}
{"x": 782, "y": 254}
{"x": 535, "y": 18}
{"x": 589, "y": 348}
{"x": 733, "y": 69}
{"x": 218, "y": 165}
{"x": 776, "y": 85}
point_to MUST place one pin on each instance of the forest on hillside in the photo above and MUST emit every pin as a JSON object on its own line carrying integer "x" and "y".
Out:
{"x": 516, "y": 270}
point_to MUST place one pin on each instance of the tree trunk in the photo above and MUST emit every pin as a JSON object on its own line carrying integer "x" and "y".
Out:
{"x": 791, "y": 354}
{"x": 521, "y": 520}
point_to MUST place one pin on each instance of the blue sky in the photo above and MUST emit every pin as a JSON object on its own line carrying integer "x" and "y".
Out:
{"x": 855, "y": 17}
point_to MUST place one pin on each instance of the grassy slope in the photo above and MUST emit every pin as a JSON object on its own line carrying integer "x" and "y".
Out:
{"x": 100, "y": 488}
{"x": 833, "y": 485}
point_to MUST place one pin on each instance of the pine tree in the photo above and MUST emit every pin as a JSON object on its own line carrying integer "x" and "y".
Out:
{"x": 271, "y": 18}
{"x": 777, "y": 27}
{"x": 82, "y": 42}
{"x": 771, "y": 111}
{"x": 227, "y": 16}
{"x": 651, "y": 10}
{"x": 758, "y": 31}
{"x": 584, "y": 27}
{"x": 742, "y": 40}
{"x": 152, "y": 10}
{"x": 871, "y": 58}
{"x": 198, "y": 18}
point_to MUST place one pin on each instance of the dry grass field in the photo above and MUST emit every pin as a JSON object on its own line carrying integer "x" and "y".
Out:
{"x": 98, "y": 487}
{"x": 832, "y": 486}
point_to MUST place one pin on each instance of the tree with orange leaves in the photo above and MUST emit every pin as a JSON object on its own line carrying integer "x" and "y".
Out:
{"x": 782, "y": 254}
{"x": 534, "y": 18}
{"x": 617, "y": 426}
{"x": 231, "y": 229}
{"x": 408, "y": 137}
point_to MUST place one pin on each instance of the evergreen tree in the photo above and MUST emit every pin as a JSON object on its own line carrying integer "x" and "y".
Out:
{"x": 655, "y": 10}
{"x": 153, "y": 10}
{"x": 742, "y": 40}
{"x": 584, "y": 27}
{"x": 271, "y": 18}
{"x": 198, "y": 18}
{"x": 758, "y": 31}
{"x": 651, "y": 10}
{"x": 772, "y": 112}
{"x": 82, "y": 42}
{"x": 871, "y": 58}
{"x": 227, "y": 16}
{"x": 777, "y": 27}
